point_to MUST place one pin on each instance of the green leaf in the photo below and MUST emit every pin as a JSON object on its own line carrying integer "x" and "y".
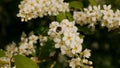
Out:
{"x": 24, "y": 62}
{"x": 61, "y": 16}
{"x": 2, "y": 53}
{"x": 69, "y": 16}
{"x": 93, "y": 2}
{"x": 76, "y": 5}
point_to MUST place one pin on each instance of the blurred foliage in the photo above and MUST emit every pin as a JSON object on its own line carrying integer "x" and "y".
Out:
{"x": 105, "y": 45}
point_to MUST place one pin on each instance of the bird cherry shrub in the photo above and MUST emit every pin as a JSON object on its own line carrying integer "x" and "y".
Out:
{"x": 58, "y": 43}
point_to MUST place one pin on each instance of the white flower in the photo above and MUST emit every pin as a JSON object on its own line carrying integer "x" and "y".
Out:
{"x": 11, "y": 49}
{"x": 68, "y": 36}
{"x": 94, "y": 14}
{"x": 38, "y": 8}
{"x": 117, "y": 16}
{"x": 108, "y": 15}
{"x": 74, "y": 62}
{"x": 79, "y": 17}
{"x": 5, "y": 60}
{"x": 107, "y": 8}
{"x": 23, "y": 41}
{"x": 33, "y": 38}
{"x": 54, "y": 25}
{"x": 26, "y": 49}
{"x": 86, "y": 53}
{"x": 76, "y": 48}
{"x": 97, "y": 8}
{"x": 26, "y": 46}
{"x": 77, "y": 39}
{"x": 22, "y": 49}
{"x": 5, "y": 66}
{"x": 30, "y": 46}
{"x": 97, "y": 15}
{"x": 66, "y": 50}
{"x": 68, "y": 41}
{"x": 60, "y": 44}
{"x": 89, "y": 9}
{"x": 66, "y": 24}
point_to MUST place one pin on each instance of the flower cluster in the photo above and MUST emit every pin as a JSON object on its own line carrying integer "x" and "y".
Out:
{"x": 38, "y": 8}
{"x": 25, "y": 47}
{"x": 67, "y": 38}
{"x": 94, "y": 14}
